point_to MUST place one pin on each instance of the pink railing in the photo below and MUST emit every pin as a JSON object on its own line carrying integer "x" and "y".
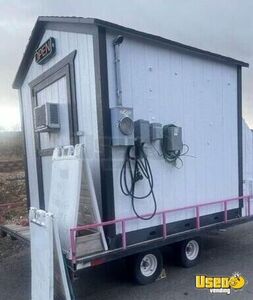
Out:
{"x": 163, "y": 213}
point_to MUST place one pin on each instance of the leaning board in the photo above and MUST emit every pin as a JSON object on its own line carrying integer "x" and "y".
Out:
{"x": 69, "y": 167}
{"x": 41, "y": 230}
{"x": 49, "y": 279}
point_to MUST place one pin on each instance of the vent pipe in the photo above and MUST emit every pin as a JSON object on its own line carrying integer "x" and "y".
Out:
{"x": 116, "y": 44}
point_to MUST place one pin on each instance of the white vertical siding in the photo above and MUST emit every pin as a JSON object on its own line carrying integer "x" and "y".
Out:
{"x": 247, "y": 159}
{"x": 86, "y": 101}
{"x": 200, "y": 95}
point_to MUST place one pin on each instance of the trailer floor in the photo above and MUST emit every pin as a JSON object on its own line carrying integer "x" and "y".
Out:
{"x": 223, "y": 254}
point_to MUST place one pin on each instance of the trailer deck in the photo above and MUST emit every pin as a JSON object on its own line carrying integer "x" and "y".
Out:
{"x": 17, "y": 231}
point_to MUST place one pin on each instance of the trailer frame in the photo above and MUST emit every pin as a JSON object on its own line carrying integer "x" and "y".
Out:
{"x": 77, "y": 263}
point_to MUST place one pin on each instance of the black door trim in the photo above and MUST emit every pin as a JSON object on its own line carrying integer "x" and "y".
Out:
{"x": 64, "y": 68}
{"x": 240, "y": 135}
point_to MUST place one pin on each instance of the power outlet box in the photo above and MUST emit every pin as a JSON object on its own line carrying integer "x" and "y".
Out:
{"x": 141, "y": 131}
{"x": 122, "y": 126}
{"x": 172, "y": 138}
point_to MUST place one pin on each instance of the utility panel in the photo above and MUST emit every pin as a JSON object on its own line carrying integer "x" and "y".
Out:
{"x": 122, "y": 126}
{"x": 156, "y": 131}
{"x": 141, "y": 131}
{"x": 172, "y": 138}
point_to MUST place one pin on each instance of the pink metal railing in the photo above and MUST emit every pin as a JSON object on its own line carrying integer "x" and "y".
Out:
{"x": 123, "y": 221}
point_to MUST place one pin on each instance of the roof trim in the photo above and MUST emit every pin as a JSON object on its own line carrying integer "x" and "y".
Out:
{"x": 39, "y": 30}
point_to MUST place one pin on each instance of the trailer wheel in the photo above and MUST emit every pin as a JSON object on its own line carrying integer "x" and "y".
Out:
{"x": 147, "y": 266}
{"x": 188, "y": 252}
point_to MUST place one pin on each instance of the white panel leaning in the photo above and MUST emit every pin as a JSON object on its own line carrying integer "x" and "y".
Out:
{"x": 69, "y": 168}
{"x": 46, "y": 254}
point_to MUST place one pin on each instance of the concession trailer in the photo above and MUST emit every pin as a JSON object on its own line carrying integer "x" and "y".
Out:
{"x": 161, "y": 123}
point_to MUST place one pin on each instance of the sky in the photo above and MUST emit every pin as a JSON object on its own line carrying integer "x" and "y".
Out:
{"x": 222, "y": 26}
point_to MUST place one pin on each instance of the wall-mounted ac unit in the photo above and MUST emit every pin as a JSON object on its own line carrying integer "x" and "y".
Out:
{"x": 46, "y": 117}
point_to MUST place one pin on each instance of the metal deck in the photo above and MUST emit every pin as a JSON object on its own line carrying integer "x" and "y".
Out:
{"x": 17, "y": 231}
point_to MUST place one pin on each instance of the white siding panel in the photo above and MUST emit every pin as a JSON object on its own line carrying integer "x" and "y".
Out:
{"x": 30, "y": 147}
{"x": 247, "y": 159}
{"x": 200, "y": 95}
{"x": 86, "y": 102}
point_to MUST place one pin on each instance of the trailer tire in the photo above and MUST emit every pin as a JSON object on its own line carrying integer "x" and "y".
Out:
{"x": 147, "y": 266}
{"x": 188, "y": 252}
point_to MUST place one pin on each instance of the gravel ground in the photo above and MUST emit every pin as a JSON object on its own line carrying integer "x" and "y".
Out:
{"x": 12, "y": 190}
{"x": 223, "y": 253}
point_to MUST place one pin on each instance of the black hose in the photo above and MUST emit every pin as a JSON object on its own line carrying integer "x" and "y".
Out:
{"x": 138, "y": 168}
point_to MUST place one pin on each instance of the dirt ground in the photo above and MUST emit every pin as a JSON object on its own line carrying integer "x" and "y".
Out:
{"x": 13, "y": 190}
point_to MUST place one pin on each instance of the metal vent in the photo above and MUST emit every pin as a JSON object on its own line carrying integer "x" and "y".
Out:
{"x": 40, "y": 116}
{"x": 46, "y": 117}
{"x": 54, "y": 116}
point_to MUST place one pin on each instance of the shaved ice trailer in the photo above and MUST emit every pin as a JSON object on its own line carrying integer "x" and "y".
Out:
{"x": 161, "y": 123}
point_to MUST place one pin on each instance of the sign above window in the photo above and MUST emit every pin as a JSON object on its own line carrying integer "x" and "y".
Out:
{"x": 45, "y": 51}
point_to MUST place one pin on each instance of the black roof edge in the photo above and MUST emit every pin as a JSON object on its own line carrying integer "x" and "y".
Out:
{"x": 39, "y": 28}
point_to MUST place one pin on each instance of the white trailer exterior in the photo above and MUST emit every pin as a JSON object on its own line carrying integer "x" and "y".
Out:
{"x": 163, "y": 81}
{"x": 247, "y": 159}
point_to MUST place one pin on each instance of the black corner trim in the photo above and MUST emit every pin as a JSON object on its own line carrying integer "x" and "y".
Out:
{"x": 240, "y": 133}
{"x": 104, "y": 131}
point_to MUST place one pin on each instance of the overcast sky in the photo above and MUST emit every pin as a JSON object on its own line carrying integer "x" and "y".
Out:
{"x": 222, "y": 26}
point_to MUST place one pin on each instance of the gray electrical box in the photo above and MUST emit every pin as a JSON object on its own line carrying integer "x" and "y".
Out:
{"x": 122, "y": 126}
{"x": 172, "y": 138}
{"x": 142, "y": 131}
{"x": 156, "y": 131}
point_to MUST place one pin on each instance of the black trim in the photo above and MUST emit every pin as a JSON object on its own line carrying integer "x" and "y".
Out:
{"x": 27, "y": 188}
{"x": 38, "y": 158}
{"x": 66, "y": 60}
{"x": 240, "y": 134}
{"x": 65, "y": 67}
{"x": 104, "y": 130}
{"x": 72, "y": 23}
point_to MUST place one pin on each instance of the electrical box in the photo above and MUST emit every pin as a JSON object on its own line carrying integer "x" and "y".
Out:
{"x": 122, "y": 126}
{"x": 46, "y": 117}
{"x": 156, "y": 132}
{"x": 142, "y": 131}
{"x": 172, "y": 138}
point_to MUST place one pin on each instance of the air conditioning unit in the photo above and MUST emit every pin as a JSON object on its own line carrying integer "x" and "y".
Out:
{"x": 46, "y": 117}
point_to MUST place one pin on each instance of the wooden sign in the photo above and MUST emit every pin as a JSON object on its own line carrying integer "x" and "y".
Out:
{"x": 45, "y": 51}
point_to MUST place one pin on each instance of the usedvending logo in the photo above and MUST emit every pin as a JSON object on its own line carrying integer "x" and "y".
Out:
{"x": 221, "y": 284}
